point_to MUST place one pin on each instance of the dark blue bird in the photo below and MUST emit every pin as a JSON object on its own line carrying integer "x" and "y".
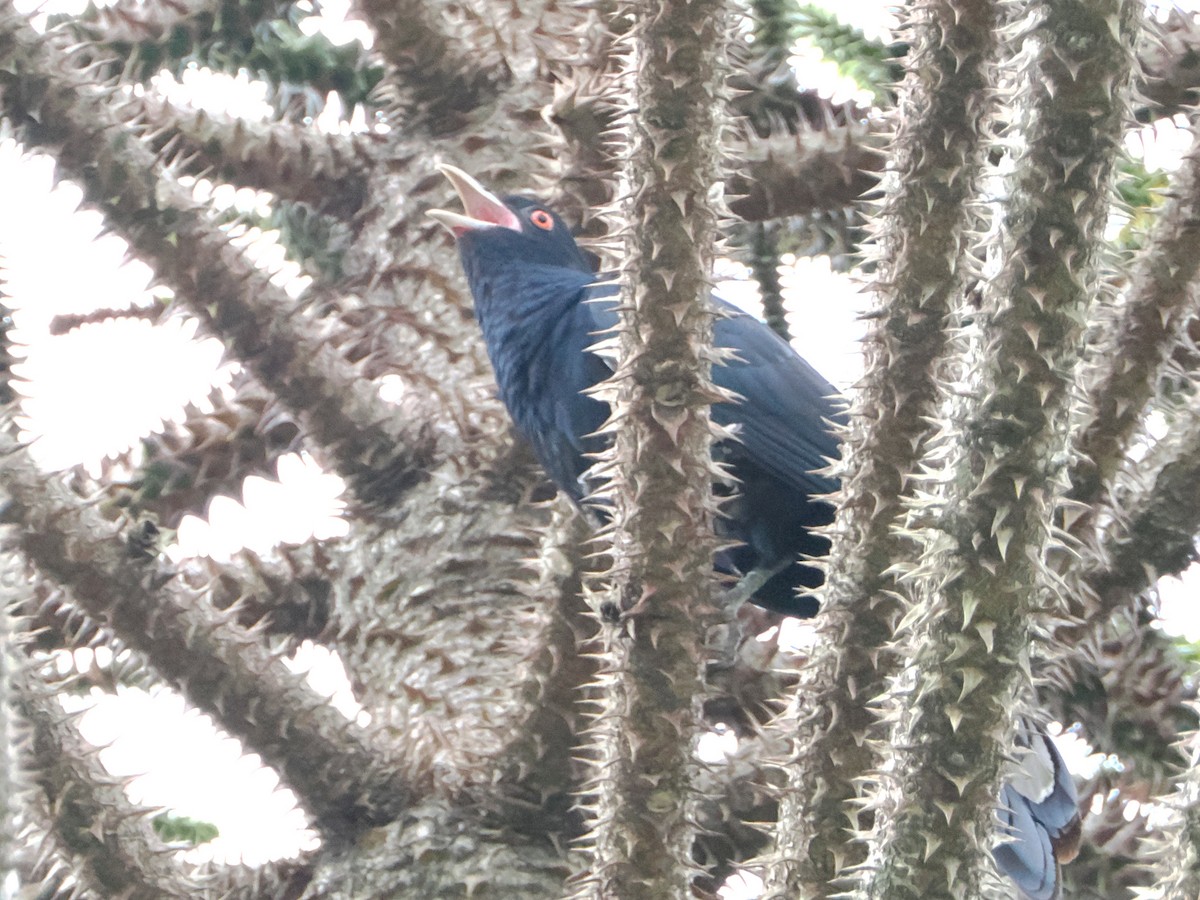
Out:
{"x": 541, "y": 308}
{"x": 542, "y": 311}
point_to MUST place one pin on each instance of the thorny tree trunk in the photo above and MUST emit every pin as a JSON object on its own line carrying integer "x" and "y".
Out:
{"x": 456, "y": 600}
{"x": 925, "y": 264}
{"x": 658, "y": 609}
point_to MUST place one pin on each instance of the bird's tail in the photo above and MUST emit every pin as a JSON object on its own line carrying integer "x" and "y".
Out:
{"x": 1040, "y": 815}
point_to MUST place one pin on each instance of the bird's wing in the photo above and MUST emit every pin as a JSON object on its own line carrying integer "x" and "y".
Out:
{"x": 783, "y": 401}
{"x": 1028, "y": 858}
{"x": 1041, "y": 776}
{"x": 785, "y": 407}
{"x": 1039, "y": 813}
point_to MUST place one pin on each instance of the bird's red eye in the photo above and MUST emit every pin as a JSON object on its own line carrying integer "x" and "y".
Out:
{"x": 542, "y": 219}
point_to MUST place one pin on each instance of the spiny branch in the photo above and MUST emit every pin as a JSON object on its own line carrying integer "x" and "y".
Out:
{"x": 1159, "y": 298}
{"x": 340, "y": 771}
{"x": 437, "y": 73}
{"x": 983, "y": 581}
{"x": 108, "y": 839}
{"x": 284, "y": 341}
{"x": 326, "y": 171}
{"x": 658, "y": 609}
{"x": 132, "y": 22}
{"x": 923, "y": 232}
{"x": 1154, "y": 529}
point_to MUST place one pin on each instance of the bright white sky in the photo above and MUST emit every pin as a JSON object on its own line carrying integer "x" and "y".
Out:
{"x": 94, "y": 393}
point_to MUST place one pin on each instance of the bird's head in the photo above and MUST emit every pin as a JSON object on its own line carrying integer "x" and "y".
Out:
{"x": 494, "y": 234}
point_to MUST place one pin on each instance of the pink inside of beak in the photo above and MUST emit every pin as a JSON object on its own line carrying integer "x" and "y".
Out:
{"x": 486, "y": 211}
{"x": 481, "y": 208}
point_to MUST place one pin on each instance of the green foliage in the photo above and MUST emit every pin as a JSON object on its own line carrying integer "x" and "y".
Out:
{"x": 156, "y": 478}
{"x": 284, "y": 53}
{"x": 1189, "y": 652}
{"x": 245, "y": 35}
{"x": 1138, "y": 186}
{"x": 774, "y": 22}
{"x": 873, "y": 65}
{"x": 315, "y": 240}
{"x": 1141, "y": 191}
{"x": 182, "y": 829}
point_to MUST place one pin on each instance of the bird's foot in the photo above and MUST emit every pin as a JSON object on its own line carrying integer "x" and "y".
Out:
{"x": 735, "y": 597}
{"x": 748, "y": 586}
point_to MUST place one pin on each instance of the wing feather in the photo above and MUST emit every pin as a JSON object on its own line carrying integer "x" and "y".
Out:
{"x": 784, "y": 403}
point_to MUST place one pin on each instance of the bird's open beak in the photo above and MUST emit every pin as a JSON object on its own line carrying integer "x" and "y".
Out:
{"x": 483, "y": 208}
